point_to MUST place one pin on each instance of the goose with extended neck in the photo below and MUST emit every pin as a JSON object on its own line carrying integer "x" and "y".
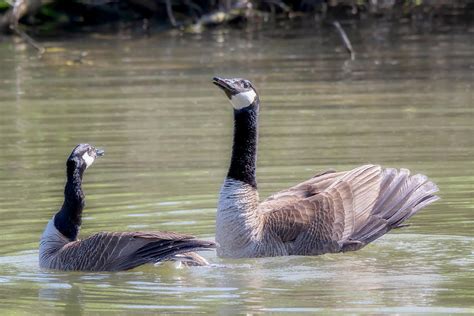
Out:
{"x": 331, "y": 212}
{"x": 106, "y": 251}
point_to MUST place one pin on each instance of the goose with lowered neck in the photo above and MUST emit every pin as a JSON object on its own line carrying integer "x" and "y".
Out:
{"x": 331, "y": 212}
{"x": 60, "y": 249}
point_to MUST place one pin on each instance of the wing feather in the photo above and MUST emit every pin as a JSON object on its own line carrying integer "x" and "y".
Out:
{"x": 127, "y": 250}
{"x": 325, "y": 209}
{"x": 341, "y": 211}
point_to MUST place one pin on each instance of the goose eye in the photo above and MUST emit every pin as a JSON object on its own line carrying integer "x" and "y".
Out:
{"x": 245, "y": 84}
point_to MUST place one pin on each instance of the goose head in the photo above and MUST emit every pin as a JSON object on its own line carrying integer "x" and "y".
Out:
{"x": 240, "y": 92}
{"x": 83, "y": 156}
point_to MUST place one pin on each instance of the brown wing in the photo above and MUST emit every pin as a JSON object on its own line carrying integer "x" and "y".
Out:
{"x": 323, "y": 211}
{"x": 127, "y": 250}
{"x": 313, "y": 186}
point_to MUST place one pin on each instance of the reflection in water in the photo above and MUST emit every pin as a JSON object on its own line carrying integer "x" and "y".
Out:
{"x": 395, "y": 272}
{"x": 405, "y": 101}
{"x": 359, "y": 280}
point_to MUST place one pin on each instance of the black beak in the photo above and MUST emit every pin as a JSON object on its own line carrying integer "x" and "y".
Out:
{"x": 99, "y": 152}
{"x": 224, "y": 84}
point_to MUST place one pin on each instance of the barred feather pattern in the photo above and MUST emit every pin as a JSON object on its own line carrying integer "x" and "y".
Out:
{"x": 236, "y": 221}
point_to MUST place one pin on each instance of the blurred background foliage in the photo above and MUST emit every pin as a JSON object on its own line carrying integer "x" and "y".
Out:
{"x": 86, "y": 15}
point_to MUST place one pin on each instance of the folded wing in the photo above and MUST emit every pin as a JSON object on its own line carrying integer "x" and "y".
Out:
{"x": 127, "y": 250}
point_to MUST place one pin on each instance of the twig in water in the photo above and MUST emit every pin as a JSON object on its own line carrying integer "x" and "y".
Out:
{"x": 28, "y": 39}
{"x": 19, "y": 9}
{"x": 279, "y": 4}
{"x": 169, "y": 11}
{"x": 192, "y": 6}
{"x": 345, "y": 39}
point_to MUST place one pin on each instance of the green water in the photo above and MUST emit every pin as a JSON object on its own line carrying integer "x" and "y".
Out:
{"x": 406, "y": 101}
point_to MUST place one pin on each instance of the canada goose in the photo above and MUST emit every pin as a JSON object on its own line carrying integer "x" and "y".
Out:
{"x": 331, "y": 212}
{"x": 60, "y": 249}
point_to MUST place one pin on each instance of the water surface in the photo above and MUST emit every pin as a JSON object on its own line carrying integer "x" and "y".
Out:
{"x": 406, "y": 101}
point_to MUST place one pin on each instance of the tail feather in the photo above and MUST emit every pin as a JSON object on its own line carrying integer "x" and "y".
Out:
{"x": 162, "y": 251}
{"x": 158, "y": 251}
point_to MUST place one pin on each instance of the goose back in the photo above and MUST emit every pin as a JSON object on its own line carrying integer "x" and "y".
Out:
{"x": 116, "y": 251}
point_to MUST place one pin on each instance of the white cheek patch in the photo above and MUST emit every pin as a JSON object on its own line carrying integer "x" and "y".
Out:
{"x": 87, "y": 159}
{"x": 243, "y": 99}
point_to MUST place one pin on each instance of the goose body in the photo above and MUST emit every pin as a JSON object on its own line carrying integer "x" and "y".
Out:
{"x": 106, "y": 251}
{"x": 331, "y": 212}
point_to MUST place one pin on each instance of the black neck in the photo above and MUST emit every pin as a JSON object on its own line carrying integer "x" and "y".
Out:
{"x": 68, "y": 219}
{"x": 244, "y": 151}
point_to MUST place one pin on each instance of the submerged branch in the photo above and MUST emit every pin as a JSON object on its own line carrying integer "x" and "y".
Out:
{"x": 285, "y": 8}
{"x": 345, "y": 39}
{"x": 11, "y": 19}
{"x": 28, "y": 39}
{"x": 169, "y": 11}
